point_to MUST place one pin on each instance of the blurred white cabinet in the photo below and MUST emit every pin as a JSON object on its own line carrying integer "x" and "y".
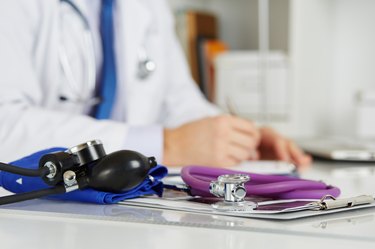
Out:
{"x": 239, "y": 85}
{"x": 330, "y": 48}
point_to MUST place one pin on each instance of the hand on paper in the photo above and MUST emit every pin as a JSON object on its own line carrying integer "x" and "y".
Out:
{"x": 227, "y": 140}
{"x": 219, "y": 141}
{"x": 274, "y": 146}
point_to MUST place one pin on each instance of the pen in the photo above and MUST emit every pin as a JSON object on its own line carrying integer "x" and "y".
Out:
{"x": 233, "y": 111}
{"x": 231, "y": 108}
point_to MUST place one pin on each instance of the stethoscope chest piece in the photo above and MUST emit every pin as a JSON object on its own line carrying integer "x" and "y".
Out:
{"x": 232, "y": 188}
{"x": 146, "y": 66}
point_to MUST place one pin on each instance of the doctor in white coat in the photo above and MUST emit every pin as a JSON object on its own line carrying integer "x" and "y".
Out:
{"x": 47, "y": 91}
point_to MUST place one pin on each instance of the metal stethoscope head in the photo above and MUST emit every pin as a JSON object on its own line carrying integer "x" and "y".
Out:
{"x": 145, "y": 67}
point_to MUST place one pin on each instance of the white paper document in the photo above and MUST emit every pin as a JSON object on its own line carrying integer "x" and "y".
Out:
{"x": 266, "y": 208}
{"x": 258, "y": 167}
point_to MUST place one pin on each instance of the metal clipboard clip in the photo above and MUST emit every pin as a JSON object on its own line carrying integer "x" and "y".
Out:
{"x": 328, "y": 202}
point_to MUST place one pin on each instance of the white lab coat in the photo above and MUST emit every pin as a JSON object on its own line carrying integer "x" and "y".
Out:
{"x": 32, "y": 117}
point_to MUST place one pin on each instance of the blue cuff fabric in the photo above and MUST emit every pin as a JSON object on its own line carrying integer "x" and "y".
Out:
{"x": 20, "y": 184}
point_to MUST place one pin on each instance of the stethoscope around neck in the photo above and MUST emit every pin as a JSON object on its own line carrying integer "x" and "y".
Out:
{"x": 145, "y": 65}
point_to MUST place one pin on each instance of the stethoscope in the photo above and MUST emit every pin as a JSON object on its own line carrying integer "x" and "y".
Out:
{"x": 234, "y": 186}
{"x": 145, "y": 65}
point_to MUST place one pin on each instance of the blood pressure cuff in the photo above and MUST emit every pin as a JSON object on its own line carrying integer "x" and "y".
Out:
{"x": 20, "y": 184}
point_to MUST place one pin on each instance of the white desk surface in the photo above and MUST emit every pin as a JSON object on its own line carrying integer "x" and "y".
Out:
{"x": 54, "y": 224}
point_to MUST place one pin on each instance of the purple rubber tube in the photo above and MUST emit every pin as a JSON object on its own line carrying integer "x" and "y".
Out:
{"x": 274, "y": 186}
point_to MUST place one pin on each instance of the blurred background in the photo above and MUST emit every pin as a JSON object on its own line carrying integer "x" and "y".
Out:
{"x": 305, "y": 67}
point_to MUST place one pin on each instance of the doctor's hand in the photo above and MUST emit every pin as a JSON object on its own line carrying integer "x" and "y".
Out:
{"x": 274, "y": 146}
{"x": 215, "y": 141}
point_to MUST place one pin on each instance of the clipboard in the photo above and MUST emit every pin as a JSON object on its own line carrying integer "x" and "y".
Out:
{"x": 266, "y": 208}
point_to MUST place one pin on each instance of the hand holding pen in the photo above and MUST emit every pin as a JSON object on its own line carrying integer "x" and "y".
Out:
{"x": 274, "y": 146}
{"x": 220, "y": 141}
{"x": 227, "y": 140}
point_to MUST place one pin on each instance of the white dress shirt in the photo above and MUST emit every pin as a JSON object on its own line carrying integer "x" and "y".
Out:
{"x": 32, "y": 117}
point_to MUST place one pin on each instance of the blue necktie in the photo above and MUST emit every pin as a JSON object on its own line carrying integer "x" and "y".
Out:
{"x": 107, "y": 85}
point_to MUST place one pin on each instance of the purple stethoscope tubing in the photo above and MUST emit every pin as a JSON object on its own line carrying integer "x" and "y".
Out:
{"x": 198, "y": 178}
